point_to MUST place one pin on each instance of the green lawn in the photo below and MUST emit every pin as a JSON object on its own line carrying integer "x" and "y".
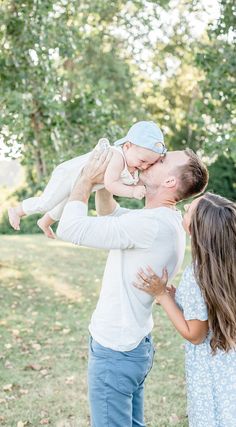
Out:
{"x": 48, "y": 292}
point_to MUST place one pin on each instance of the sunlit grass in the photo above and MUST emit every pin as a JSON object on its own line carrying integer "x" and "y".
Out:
{"x": 48, "y": 292}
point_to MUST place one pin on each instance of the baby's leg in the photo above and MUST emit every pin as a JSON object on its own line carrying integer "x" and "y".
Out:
{"x": 15, "y": 215}
{"x": 50, "y": 218}
{"x": 55, "y": 191}
{"x": 45, "y": 224}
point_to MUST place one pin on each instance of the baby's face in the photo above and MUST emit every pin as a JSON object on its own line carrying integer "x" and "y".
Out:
{"x": 139, "y": 157}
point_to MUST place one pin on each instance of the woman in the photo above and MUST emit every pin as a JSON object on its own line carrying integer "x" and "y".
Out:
{"x": 203, "y": 310}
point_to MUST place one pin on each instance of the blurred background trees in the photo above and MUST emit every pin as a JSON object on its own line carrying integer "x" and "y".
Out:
{"x": 73, "y": 71}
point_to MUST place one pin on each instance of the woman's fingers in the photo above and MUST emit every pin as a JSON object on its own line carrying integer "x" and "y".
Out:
{"x": 153, "y": 275}
{"x": 143, "y": 276}
{"x": 150, "y": 275}
{"x": 150, "y": 271}
{"x": 142, "y": 287}
{"x": 149, "y": 282}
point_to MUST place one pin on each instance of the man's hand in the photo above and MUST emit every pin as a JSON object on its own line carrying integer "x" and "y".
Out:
{"x": 93, "y": 173}
{"x": 96, "y": 166}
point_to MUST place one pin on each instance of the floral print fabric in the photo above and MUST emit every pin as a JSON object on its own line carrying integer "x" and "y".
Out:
{"x": 210, "y": 379}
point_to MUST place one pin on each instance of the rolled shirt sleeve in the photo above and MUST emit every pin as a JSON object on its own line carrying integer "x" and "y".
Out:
{"x": 134, "y": 229}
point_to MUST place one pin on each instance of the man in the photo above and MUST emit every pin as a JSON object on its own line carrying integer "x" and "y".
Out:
{"x": 121, "y": 349}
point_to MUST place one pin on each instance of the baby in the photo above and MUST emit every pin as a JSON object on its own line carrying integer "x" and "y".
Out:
{"x": 140, "y": 148}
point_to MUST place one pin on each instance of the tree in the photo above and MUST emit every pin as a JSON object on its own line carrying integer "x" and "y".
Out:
{"x": 222, "y": 177}
{"x": 66, "y": 79}
{"x": 191, "y": 93}
{"x": 172, "y": 95}
{"x": 216, "y": 59}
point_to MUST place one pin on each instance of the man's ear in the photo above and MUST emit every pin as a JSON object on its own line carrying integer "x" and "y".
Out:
{"x": 170, "y": 182}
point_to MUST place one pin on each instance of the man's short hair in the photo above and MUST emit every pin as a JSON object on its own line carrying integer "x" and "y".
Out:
{"x": 192, "y": 177}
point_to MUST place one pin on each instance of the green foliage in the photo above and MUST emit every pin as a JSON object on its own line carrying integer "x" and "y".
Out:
{"x": 216, "y": 58}
{"x": 226, "y": 22}
{"x": 217, "y": 110}
{"x": 194, "y": 97}
{"x": 130, "y": 203}
{"x": 28, "y": 225}
{"x": 222, "y": 177}
{"x": 64, "y": 79}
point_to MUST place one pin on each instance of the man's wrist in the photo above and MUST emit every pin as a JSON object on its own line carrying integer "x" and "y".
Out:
{"x": 81, "y": 190}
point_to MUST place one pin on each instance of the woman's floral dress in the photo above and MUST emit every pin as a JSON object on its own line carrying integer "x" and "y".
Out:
{"x": 211, "y": 380}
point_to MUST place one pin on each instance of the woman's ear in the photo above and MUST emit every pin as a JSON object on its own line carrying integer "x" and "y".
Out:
{"x": 170, "y": 182}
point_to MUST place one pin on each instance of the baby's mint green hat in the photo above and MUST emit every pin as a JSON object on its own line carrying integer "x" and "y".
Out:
{"x": 147, "y": 135}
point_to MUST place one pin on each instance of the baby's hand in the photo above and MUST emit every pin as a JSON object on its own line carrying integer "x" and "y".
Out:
{"x": 139, "y": 192}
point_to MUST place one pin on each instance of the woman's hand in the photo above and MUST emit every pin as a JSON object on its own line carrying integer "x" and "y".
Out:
{"x": 171, "y": 291}
{"x": 152, "y": 284}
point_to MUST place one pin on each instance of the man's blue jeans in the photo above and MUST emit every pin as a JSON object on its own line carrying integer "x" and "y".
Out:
{"x": 116, "y": 384}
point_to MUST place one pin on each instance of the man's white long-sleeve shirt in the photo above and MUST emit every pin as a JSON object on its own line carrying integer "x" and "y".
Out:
{"x": 135, "y": 238}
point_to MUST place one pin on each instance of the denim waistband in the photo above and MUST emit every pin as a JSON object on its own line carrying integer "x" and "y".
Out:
{"x": 147, "y": 338}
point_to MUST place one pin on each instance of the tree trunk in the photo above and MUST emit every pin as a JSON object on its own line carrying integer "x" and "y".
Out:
{"x": 40, "y": 164}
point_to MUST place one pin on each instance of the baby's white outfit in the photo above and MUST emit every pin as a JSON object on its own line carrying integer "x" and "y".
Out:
{"x": 59, "y": 187}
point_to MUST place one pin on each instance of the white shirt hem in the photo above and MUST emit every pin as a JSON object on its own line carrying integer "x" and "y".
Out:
{"x": 118, "y": 347}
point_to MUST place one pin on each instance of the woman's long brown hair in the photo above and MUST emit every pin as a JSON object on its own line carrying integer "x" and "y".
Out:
{"x": 213, "y": 240}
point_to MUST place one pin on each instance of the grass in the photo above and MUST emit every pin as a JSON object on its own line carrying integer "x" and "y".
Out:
{"x": 48, "y": 292}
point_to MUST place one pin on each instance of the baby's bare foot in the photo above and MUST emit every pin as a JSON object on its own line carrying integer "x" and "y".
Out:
{"x": 46, "y": 229}
{"x": 14, "y": 218}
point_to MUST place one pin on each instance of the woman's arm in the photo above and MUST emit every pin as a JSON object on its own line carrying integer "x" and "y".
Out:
{"x": 194, "y": 330}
